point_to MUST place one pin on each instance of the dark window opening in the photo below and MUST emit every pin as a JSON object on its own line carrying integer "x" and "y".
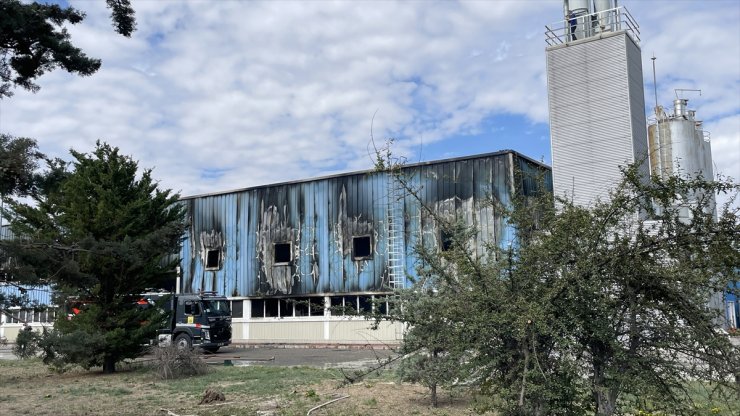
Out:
{"x": 445, "y": 240}
{"x": 213, "y": 258}
{"x": 286, "y": 308}
{"x": 237, "y": 309}
{"x": 337, "y": 305}
{"x": 301, "y": 306}
{"x": 365, "y": 304}
{"x": 271, "y": 308}
{"x": 282, "y": 253}
{"x": 362, "y": 247}
{"x": 381, "y": 303}
{"x": 258, "y": 308}
{"x": 317, "y": 306}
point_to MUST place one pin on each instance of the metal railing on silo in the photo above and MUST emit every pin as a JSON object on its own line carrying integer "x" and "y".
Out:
{"x": 584, "y": 24}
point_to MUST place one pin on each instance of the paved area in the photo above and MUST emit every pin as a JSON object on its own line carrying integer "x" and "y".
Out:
{"x": 311, "y": 357}
{"x": 6, "y": 352}
{"x": 282, "y": 357}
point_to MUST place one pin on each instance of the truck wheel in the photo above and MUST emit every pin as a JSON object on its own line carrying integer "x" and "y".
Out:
{"x": 211, "y": 350}
{"x": 183, "y": 341}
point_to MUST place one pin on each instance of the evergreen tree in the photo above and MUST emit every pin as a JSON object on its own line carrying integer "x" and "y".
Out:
{"x": 33, "y": 41}
{"x": 101, "y": 234}
{"x": 18, "y": 161}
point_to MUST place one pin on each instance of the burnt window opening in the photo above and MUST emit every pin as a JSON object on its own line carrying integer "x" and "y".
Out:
{"x": 237, "y": 308}
{"x": 286, "y": 308}
{"x": 271, "y": 308}
{"x": 445, "y": 240}
{"x": 258, "y": 308}
{"x": 364, "y": 304}
{"x": 282, "y": 253}
{"x": 316, "y": 306}
{"x": 337, "y": 306}
{"x": 213, "y": 259}
{"x": 301, "y": 306}
{"x": 362, "y": 247}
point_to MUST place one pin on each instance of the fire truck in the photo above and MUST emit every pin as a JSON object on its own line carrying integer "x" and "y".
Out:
{"x": 194, "y": 320}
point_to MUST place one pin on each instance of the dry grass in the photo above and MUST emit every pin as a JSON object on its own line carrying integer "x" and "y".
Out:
{"x": 30, "y": 389}
{"x": 172, "y": 362}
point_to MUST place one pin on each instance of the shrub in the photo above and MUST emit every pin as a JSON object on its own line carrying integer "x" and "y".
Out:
{"x": 63, "y": 351}
{"x": 26, "y": 344}
{"x": 172, "y": 363}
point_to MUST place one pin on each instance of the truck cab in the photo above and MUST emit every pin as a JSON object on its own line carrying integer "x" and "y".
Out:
{"x": 197, "y": 320}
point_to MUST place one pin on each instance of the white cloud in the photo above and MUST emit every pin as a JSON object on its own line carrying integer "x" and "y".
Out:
{"x": 223, "y": 95}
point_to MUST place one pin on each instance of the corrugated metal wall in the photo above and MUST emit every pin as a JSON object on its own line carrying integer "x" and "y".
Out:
{"x": 319, "y": 218}
{"x": 37, "y": 295}
{"x": 597, "y": 114}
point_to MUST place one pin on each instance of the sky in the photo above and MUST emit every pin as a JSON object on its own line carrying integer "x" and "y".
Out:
{"x": 221, "y": 95}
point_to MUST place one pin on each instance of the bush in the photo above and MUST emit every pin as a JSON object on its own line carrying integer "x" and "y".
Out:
{"x": 26, "y": 344}
{"x": 63, "y": 351}
{"x": 172, "y": 363}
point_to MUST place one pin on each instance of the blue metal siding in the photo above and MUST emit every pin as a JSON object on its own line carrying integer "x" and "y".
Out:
{"x": 320, "y": 218}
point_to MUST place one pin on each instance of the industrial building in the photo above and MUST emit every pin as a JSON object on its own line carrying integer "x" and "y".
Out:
{"x": 596, "y": 98}
{"x": 291, "y": 256}
{"x": 598, "y": 117}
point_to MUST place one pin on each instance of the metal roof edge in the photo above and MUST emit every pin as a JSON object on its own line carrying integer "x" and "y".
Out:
{"x": 367, "y": 171}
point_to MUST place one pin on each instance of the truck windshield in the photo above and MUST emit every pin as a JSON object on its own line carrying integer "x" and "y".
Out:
{"x": 216, "y": 307}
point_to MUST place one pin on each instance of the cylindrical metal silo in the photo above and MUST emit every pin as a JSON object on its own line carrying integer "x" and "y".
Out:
{"x": 679, "y": 146}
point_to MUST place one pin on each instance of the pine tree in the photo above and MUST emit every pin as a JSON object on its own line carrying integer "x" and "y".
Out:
{"x": 100, "y": 233}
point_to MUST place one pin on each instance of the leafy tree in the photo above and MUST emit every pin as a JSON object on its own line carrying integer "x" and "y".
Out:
{"x": 433, "y": 354}
{"x": 101, "y": 233}
{"x": 592, "y": 310}
{"x": 33, "y": 41}
{"x": 635, "y": 293}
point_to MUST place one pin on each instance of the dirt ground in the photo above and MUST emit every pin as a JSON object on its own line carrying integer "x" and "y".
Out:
{"x": 28, "y": 388}
{"x": 390, "y": 398}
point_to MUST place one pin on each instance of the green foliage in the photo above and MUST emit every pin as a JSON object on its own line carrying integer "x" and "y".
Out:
{"x": 26, "y": 344}
{"x": 18, "y": 160}
{"x": 33, "y": 41}
{"x": 65, "y": 350}
{"x": 435, "y": 357}
{"x": 102, "y": 234}
{"x": 588, "y": 305}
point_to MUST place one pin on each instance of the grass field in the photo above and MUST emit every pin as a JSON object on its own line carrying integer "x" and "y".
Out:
{"x": 27, "y": 387}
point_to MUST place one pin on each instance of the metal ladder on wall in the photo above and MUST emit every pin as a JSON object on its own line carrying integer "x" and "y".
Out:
{"x": 396, "y": 255}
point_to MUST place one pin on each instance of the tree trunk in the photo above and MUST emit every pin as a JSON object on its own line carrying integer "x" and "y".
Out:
{"x": 524, "y": 377}
{"x": 109, "y": 365}
{"x": 433, "y": 391}
{"x": 605, "y": 397}
{"x": 606, "y": 403}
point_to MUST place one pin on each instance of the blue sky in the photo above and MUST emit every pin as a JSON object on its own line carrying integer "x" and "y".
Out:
{"x": 229, "y": 94}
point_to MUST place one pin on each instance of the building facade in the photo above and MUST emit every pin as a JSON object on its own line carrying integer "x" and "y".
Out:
{"x": 292, "y": 256}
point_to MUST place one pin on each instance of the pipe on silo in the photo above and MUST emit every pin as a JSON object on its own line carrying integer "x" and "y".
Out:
{"x": 602, "y": 5}
{"x": 679, "y": 107}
